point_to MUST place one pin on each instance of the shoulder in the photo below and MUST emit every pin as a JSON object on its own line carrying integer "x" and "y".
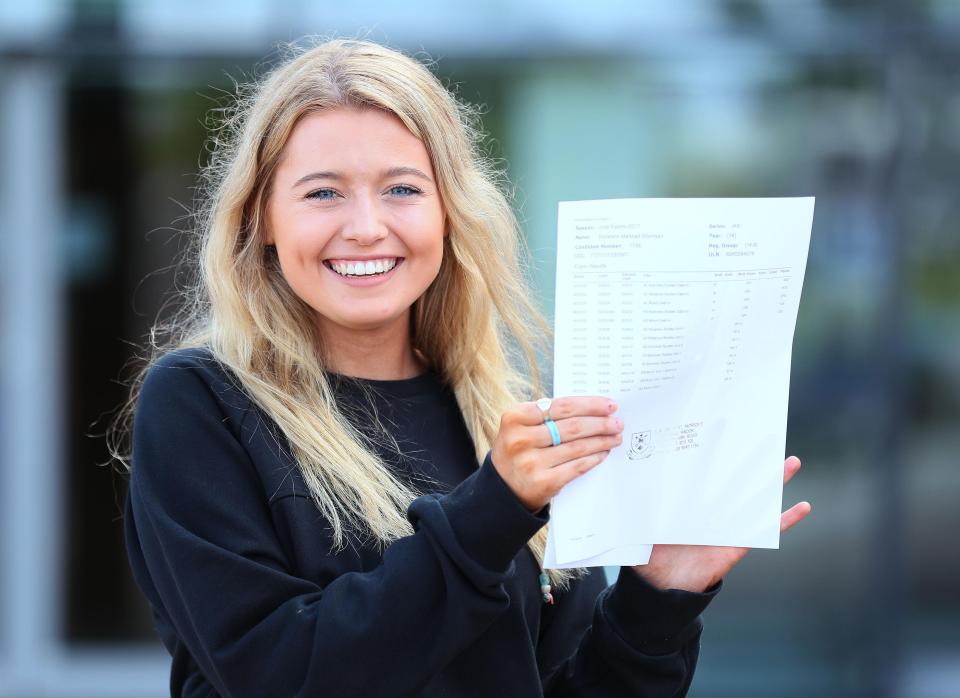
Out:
{"x": 189, "y": 456}
{"x": 200, "y": 360}
{"x": 191, "y": 375}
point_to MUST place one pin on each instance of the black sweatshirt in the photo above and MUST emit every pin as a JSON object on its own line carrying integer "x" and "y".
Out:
{"x": 249, "y": 599}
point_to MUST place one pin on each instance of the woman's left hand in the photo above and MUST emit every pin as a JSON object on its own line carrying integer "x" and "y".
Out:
{"x": 699, "y": 567}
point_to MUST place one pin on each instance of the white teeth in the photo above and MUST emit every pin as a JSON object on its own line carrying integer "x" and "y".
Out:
{"x": 359, "y": 268}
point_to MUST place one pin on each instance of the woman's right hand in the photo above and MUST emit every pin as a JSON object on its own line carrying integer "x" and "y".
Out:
{"x": 526, "y": 459}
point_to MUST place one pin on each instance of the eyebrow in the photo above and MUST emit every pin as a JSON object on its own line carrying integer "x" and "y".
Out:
{"x": 392, "y": 172}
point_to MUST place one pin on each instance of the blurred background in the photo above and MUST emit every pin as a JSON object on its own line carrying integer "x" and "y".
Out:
{"x": 103, "y": 108}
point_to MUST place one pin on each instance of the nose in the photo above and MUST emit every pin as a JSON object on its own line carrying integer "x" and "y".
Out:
{"x": 365, "y": 224}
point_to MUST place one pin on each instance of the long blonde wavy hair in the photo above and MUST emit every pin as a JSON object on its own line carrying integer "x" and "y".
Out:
{"x": 475, "y": 325}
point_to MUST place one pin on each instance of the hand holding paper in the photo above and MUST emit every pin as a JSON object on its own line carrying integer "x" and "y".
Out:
{"x": 698, "y": 567}
{"x": 532, "y": 467}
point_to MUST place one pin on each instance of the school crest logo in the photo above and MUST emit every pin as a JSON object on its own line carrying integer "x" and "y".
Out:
{"x": 641, "y": 445}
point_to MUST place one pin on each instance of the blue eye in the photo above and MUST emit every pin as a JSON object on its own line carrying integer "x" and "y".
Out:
{"x": 403, "y": 190}
{"x": 322, "y": 194}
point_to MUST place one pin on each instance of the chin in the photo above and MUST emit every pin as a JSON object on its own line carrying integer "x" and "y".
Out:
{"x": 366, "y": 322}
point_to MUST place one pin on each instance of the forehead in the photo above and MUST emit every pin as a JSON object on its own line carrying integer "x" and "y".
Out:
{"x": 347, "y": 138}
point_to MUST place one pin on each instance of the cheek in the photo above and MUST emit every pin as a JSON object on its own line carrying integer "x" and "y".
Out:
{"x": 300, "y": 241}
{"x": 299, "y": 257}
{"x": 429, "y": 239}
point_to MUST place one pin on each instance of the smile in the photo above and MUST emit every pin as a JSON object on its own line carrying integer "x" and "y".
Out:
{"x": 361, "y": 267}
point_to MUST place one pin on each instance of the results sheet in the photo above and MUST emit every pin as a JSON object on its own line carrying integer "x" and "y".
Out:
{"x": 682, "y": 311}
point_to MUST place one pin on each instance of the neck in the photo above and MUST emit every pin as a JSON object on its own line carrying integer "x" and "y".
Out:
{"x": 382, "y": 353}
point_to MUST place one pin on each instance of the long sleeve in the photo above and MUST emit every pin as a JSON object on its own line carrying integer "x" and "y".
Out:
{"x": 205, "y": 550}
{"x": 642, "y": 641}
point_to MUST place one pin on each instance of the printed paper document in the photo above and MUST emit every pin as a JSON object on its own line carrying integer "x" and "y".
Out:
{"x": 683, "y": 312}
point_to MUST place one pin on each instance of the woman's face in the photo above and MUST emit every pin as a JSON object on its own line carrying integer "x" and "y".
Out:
{"x": 356, "y": 217}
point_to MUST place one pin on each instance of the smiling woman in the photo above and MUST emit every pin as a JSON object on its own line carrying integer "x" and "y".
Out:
{"x": 340, "y": 482}
{"x": 360, "y": 236}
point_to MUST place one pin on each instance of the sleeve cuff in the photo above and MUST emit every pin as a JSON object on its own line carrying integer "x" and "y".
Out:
{"x": 655, "y": 621}
{"x": 490, "y": 523}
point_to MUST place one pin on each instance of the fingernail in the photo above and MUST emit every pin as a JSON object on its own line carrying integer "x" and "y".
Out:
{"x": 612, "y": 406}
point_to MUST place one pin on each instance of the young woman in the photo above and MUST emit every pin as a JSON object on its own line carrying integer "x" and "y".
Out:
{"x": 339, "y": 482}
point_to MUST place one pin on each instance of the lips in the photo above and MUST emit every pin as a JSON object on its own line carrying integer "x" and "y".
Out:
{"x": 362, "y": 267}
{"x": 363, "y": 272}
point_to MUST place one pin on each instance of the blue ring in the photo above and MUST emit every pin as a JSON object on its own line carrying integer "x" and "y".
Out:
{"x": 554, "y": 431}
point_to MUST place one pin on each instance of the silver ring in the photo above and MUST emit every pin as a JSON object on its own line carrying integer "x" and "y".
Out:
{"x": 544, "y": 405}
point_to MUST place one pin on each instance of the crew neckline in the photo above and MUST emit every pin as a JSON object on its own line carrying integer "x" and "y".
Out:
{"x": 399, "y": 388}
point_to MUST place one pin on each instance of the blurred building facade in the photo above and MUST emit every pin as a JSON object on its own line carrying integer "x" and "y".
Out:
{"x": 102, "y": 113}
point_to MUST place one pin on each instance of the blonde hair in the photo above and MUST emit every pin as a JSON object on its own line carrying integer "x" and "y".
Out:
{"x": 474, "y": 325}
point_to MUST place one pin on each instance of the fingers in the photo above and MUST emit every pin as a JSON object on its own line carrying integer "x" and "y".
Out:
{"x": 577, "y": 428}
{"x": 565, "y": 472}
{"x": 529, "y": 414}
{"x": 580, "y": 448}
{"x": 790, "y": 467}
{"x": 794, "y": 515}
